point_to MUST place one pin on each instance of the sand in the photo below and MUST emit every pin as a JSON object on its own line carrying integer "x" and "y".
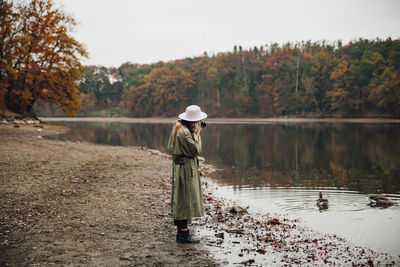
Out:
{"x": 67, "y": 203}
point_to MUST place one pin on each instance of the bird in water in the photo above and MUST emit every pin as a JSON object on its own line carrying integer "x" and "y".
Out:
{"x": 381, "y": 201}
{"x": 322, "y": 203}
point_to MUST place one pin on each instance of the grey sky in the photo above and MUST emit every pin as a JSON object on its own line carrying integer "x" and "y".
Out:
{"x": 148, "y": 31}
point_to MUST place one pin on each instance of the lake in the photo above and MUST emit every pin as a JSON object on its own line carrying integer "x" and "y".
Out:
{"x": 280, "y": 167}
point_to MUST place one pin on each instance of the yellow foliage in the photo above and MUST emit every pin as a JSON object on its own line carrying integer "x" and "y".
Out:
{"x": 36, "y": 35}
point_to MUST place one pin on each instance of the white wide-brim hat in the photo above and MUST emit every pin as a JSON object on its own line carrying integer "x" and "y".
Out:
{"x": 193, "y": 113}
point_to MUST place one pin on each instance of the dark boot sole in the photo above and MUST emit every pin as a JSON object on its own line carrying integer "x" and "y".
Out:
{"x": 187, "y": 242}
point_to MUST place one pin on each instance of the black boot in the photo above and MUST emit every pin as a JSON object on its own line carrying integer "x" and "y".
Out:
{"x": 185, "y": 237}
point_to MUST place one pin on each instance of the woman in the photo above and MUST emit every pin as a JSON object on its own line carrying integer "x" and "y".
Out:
{"x": 187, "y": 198}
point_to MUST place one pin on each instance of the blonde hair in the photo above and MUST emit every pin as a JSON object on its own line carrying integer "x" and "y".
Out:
{"x": 193, "y": 126}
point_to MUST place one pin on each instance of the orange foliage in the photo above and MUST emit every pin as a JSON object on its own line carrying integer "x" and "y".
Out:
{"x": 163, "y": 92}
{"x": 40, "y": 60}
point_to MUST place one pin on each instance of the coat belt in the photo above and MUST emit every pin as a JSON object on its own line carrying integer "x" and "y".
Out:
{"x": 181, "y": 160}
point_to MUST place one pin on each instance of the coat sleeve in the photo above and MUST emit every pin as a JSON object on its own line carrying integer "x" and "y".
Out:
{"x": 189, "y": 146}
{"x": 170, "y": 147}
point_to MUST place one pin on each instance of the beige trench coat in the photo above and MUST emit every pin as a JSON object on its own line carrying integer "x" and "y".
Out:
{"x": 187, "y": 195}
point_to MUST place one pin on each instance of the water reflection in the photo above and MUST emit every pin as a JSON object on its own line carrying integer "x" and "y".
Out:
{"x": 364, "y": 158}
{"x": 357, "y": 157}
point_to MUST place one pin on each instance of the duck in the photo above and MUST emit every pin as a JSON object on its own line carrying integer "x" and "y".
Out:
{"x": 322, "y": 202}
{"x": 380, "y": 200}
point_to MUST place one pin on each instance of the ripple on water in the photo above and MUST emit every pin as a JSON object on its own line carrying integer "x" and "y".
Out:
{"x": 348, "y": 213}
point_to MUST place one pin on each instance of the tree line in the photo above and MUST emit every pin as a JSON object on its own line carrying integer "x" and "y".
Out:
{"x": 314, "y": 79}
{"x": 40, "y": 63}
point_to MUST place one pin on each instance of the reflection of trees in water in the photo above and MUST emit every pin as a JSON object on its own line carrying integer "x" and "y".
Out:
{"x": 120, "y": 134}
{"x": 154, "y": 135}
{"x": 362, "y": 157}
{"x": 353, "y": 156}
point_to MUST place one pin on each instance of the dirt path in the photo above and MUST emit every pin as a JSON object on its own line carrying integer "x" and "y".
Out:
{"x": 68, "y": 203}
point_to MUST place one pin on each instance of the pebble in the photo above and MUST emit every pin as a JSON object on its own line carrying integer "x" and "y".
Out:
{"x": 220, "y": 235}
{"x": 237, "y": 209}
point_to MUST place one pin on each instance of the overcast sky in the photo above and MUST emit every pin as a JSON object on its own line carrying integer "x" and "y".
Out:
{"x": 148, "y": 31}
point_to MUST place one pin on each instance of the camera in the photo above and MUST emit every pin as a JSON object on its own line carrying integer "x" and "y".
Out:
{"x": 203, "y": 124}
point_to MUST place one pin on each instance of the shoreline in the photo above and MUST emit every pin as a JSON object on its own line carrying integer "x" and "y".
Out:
{"x": 274, "y": 239}
{"x": 223, "y": 120}
{"x": 72, "y": 203}
{"x": 77, "y": 203}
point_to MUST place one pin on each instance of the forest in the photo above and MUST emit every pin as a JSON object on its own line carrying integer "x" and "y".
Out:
{"x": 41, "y": 73}
{"x": 304, "y": 79}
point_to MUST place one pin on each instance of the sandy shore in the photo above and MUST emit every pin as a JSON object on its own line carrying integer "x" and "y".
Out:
{"x": 68, "y": 203}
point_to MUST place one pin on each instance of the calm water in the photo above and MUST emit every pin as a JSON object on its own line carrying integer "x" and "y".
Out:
{"x": 282, "y": 167}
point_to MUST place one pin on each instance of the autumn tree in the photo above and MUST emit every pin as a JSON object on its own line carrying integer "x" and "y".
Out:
{"x": 385, "y": 90}
{"x": 163, "y": 92}
{"x": 339, "y": 95}
{"x": 213, "y": 80}
{"x": 279, "y": 81}
{"x": 39, "y": 58}
{"x": 321, "y": 66}
{"x": 133, "y": 74}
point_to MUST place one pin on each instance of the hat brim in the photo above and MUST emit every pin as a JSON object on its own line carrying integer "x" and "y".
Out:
{"x": 201, "y": 116}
